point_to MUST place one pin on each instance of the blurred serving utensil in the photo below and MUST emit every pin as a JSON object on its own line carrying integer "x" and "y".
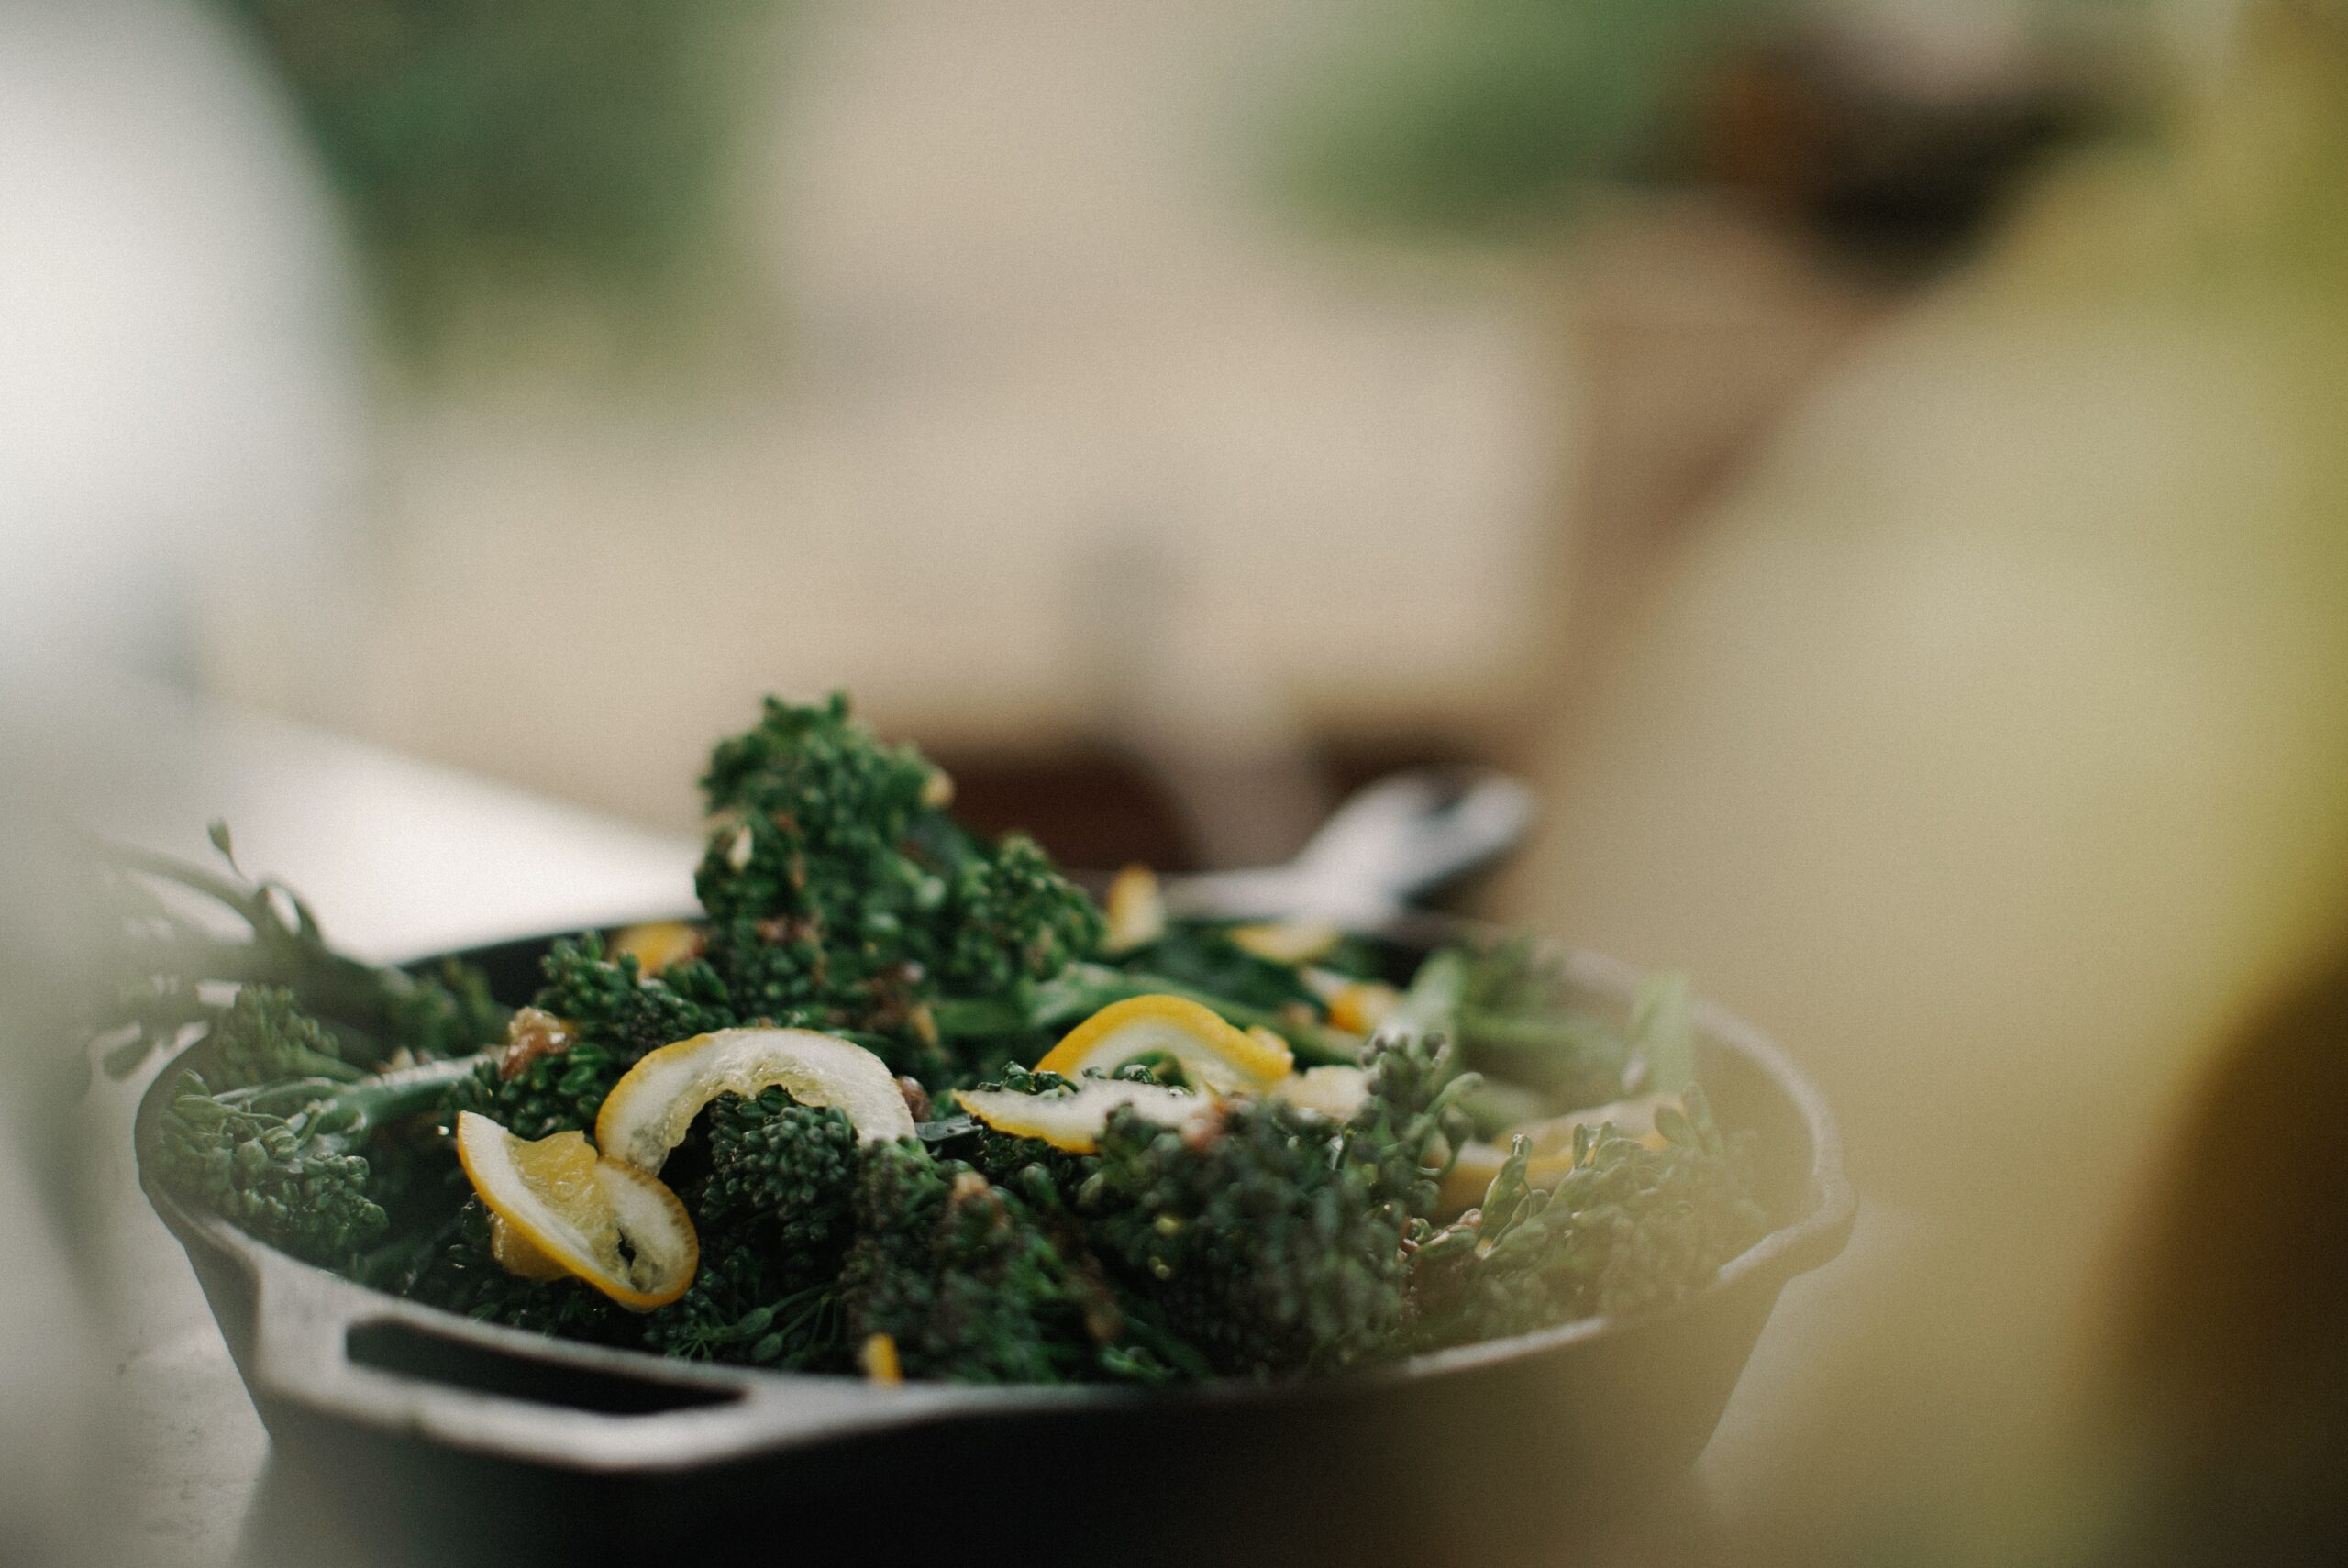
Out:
{"x": 1387, "y": 845}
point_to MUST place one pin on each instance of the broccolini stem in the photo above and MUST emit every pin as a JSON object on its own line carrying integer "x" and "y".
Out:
{"x": 409, "y": 1091}
{"x": 366, "y": 1005}
{"x": 1518, "y": 1033}
{"x": 964, "y": 1017}
{"x": 343, "y": 1106}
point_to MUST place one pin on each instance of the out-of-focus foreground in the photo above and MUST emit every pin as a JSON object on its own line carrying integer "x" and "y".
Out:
{"x": 1877, "y": 465}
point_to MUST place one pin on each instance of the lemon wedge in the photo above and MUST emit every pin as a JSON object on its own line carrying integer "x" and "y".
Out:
{"x": 1074, "y": 1123}
{"x": 1213, "y": 1053}
{"x": 647, "y": 1111}
{"x": 557, "y": 1205}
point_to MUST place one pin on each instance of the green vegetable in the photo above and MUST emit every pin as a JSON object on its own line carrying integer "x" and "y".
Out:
{"x": 618, "y": 1014}
{"x": 1520, "y": 1022}
{"x": 1259, "y": 1241}
{"x": 772, "y": 1209}
{"x": 961, "y": 1276}
{"x": 1081, "y": 989}
{"x": 1629, "y": 1229}
{"x": 176, "y": 960}
{"x": 279, "y": 1154}
{"x": 841, "y": 898}
{"x": 457, "y": 1272}
{"x": 1274, "y": 1244}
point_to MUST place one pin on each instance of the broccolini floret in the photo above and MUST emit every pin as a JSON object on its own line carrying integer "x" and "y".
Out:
{"x": 962, "y": 1277}
{"x": 613, "y": 1013}
{"x": 831, "y": 904}
{"x": 280, "y": 1156}
{"x": 1271, "y": 1238}
{"x": 459, "y": 1274}
{"x": 1012, "y": 917}
{"x": 735, "y": 1312}
{"x": 789, "y": 1166}
{"x": 607, "y": 999}
{"x": 1261, "y": 1244}
{"x": 1627, "y": 1228}
{"x": 839, "y": 897}
{"x": 770, "y": 1182}
{"x": 263, "y": 1036}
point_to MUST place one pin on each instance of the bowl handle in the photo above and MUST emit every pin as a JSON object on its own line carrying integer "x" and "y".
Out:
{"x": 324, "y": 1345}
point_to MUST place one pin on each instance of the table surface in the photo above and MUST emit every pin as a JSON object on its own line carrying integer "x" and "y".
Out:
{"x": 401, "y": 857}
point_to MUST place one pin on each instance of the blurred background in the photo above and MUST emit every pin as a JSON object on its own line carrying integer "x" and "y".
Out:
{"x": 1878, "y": 466}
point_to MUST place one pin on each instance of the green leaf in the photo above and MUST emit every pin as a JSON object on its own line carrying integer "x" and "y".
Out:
{"x": 1663, "y": 1032}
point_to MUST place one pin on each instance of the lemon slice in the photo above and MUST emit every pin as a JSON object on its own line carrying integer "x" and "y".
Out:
{"x": 879, "y": 1359}
{"x": 1213, "y": 1053}
{"x": 555, "y": 1202}
{"x": 1335, "y": 1092}
{"x": 1358, "y": 1007}
{"x": 1074, "y": 1123}
{"x": 1553, "y": 1147}
{"x": 1136, "y": 909}
{"x": 1287, "y": 941}
{"x": 647, "y": 1111}
{"x": 516, "y": 1254}
{"x": 656, "y": 945}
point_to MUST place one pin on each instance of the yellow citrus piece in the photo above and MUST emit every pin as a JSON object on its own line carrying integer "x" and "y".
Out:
{"x": 1359, "y": 1007}
{"x": 1136, "y": 909}
{"x": 1553, "y": 1147}
{"x": 1074, "y": 1123}
{"x": 1337, "y": 1092}
{"x": 657, "y": 944}
{"x": 563, "y": 1205}
{"x": 1213, "y": 1053}
{"x": 647, "y": 1111}
{"x": 879, "y": 1359}
{"x": 1287, "y": 941}
{"x": 514, "y": 1253}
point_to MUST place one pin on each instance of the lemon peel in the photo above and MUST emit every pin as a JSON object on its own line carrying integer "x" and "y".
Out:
{"x": 1287, "y": 941}
{"x": 1073, "y": 1122}
{"x": 648, "y": 1110}
{"x": 1135, "y": 909}
{"x": 878, "y": 1357}
{"x": 656, "y": 945}
{"x": 1360, "y": 1007}
{"x": 1335, "y": 1092}
{"x": 565, "y": 1208}
{"x": 1211, "y": 1052}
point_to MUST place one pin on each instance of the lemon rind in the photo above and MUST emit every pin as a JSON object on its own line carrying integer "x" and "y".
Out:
{"x": 1211, "y": 1052}
{"x": 638, "y": 1202}
{"x": 1073, "y": 1123}
{"x": 647, "y": 1111}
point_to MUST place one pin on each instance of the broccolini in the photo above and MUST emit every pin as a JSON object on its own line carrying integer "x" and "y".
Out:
{"x": 279, "y": 1154}
{"x": 1242, "y": 1234}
